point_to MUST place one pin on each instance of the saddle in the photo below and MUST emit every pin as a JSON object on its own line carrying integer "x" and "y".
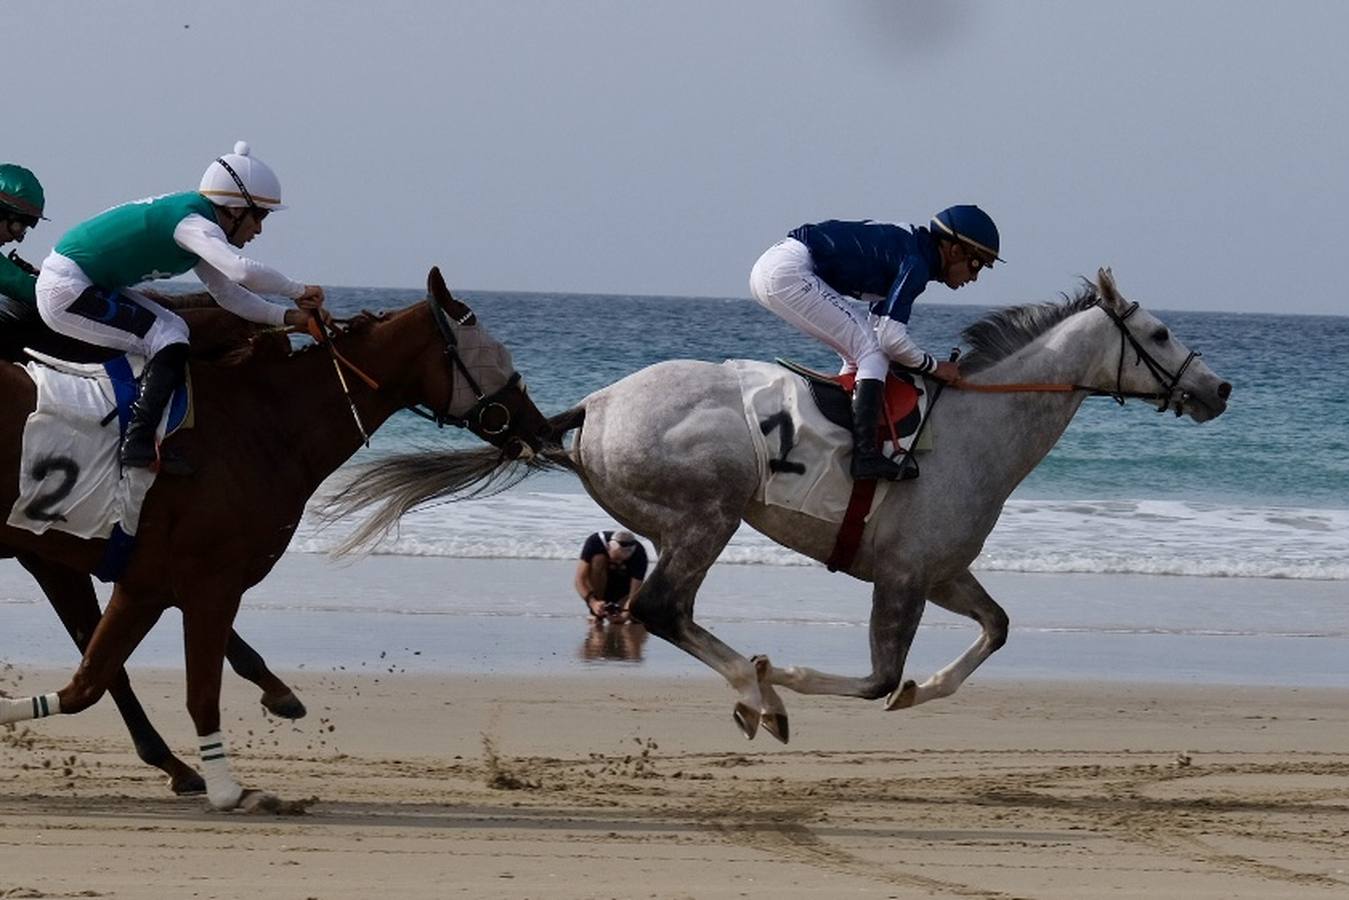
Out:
{"x": 833, "y": 395}
{"x": 69, "y": 476}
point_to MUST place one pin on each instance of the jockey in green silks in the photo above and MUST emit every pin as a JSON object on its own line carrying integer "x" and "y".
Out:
{"x": 85, "y": 289}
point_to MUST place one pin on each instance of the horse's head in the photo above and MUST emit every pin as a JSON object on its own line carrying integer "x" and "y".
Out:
{"x": 474, "y": 383}
{"x": 1153, "y": 364}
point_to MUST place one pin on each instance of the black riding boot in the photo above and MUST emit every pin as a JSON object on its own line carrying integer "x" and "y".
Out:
{"x": 867, "y": 460}
{"x": 162, "y": 374}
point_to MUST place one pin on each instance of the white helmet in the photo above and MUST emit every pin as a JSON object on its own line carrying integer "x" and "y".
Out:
{"x": 238, "y": 179}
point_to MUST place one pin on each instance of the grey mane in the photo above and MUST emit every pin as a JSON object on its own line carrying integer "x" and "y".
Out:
{"x": 1004, "y": 331}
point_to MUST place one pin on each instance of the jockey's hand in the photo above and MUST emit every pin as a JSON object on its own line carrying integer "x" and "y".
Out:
{"x": 947, "y": 371}
{"x": 312, "y": 298}
{"x": 299, "y": 318}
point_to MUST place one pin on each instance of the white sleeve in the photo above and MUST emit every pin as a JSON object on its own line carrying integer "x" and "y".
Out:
{"x": 239, "y": 300}
{"x": 198, "y": 235}
{"x": 894, "y": 339}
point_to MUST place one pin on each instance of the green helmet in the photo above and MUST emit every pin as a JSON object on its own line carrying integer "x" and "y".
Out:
{"x": 20, "y": 193}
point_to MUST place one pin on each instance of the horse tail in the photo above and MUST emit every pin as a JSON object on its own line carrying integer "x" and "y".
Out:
{"x": 395, "y": 486}
{"x": 558, "y": 426}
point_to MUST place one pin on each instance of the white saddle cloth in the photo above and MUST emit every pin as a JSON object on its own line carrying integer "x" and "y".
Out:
{"x": 803, "y": 457}
{"x": 69, "y": 478}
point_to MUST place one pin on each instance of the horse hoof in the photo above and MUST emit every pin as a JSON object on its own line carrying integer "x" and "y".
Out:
{"x": 747, "y": 719}
{"x": 263, "y": 803}
{"x": 259, "y": 802}
{"x": 776, "y": 725}
{"x": 287, "y": 706}
{"x": 188, "y": 784}
{"x": 903, "y": 698}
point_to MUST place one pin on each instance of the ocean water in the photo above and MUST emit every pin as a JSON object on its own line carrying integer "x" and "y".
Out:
{"x": 1260, "y": 492}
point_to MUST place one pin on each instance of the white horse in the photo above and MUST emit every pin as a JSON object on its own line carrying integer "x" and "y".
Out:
{"x": 668, "y": 453}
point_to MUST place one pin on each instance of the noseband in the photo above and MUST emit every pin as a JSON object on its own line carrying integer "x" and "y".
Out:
{"x": 1168, "y": 381}
{"x": 483, "y": 415}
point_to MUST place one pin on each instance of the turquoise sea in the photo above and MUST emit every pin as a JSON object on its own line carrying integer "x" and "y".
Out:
{"x": 1262, "y": 491}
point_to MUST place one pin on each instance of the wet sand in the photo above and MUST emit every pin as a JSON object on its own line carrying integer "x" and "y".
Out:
{"x": 604, "y": 785}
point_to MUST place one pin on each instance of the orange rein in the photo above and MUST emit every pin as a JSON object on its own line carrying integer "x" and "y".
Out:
{"x": 320, "y": 336}
{"x": 1026, "y": 388}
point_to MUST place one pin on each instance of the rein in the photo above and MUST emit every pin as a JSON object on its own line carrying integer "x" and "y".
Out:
{"x": 1167, "y": 380}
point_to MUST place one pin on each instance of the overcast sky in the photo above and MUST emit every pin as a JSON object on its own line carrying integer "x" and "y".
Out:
{"x": 1199, "y": 148}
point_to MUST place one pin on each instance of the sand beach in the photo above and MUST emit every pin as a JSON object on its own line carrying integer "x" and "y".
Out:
{"x": 610, "y": 779}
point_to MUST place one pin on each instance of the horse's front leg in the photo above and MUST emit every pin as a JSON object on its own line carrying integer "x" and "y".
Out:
{"x": 71, "y": 594}
{"x": 896, "y": 608}
{"x": 277, "y": 696}
{"x": 965, "y": 595}
{"x": 207, "y": 617}
{"x": 123, "y": 625}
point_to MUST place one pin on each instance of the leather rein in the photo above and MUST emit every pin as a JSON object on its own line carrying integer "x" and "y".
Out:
{"x": 1169, "y": 382}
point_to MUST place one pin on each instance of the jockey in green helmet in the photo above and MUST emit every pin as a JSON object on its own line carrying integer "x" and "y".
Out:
{"x": 21, "y": 205}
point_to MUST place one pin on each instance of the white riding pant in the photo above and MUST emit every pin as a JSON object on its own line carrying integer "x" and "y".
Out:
{"x": 122, "y": 319}
{"x": 784, "y": 282}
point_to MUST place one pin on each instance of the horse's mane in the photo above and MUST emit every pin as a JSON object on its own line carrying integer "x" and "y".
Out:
{"x": 1004, "y": 331}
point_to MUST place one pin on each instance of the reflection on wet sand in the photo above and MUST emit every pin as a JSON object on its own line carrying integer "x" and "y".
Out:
{"x": 613, "y": 642}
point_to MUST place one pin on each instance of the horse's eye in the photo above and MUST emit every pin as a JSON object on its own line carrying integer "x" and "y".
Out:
{"x": 1161, "y": 335}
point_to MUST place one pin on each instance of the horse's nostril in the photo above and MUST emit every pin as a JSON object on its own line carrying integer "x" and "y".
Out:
{"x": 1224, "y": 390}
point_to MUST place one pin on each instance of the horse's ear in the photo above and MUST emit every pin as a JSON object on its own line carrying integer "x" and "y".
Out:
{"x": 435, "y": 286}
{"x": 1106, "y": 289}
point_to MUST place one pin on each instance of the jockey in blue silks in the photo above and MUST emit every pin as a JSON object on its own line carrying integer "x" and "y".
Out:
{"x": 807, "y": 277}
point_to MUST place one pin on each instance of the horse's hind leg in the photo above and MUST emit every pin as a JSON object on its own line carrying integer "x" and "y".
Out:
{"x": 896, "y": 608}
{"x": 72, "y": 596}
{"x": 277, "y": 696}
{"x": 665, "y": 606}
{"x": 965, "y": 595}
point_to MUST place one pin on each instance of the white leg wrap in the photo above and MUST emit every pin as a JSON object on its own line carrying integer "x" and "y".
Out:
{"x": 27, "y": 708}
{"x": 221, "y": 789}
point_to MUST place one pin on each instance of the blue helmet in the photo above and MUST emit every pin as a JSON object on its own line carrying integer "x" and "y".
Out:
{"x": 969, "y": 225}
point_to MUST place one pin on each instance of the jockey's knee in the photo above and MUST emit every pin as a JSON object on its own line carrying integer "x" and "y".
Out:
{"x": 872, "y": 364}
{"x": 166, "y": 332}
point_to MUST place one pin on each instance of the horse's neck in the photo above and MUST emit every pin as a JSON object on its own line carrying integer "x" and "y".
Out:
{"x": 1030, "y": 423}
{"x": 317, "y": 398}
{"x": 1072, "y": 352}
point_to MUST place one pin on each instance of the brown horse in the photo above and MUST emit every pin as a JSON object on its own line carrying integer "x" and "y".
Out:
{"x": 268, "y": 430}
{"x": 71, "y": 592}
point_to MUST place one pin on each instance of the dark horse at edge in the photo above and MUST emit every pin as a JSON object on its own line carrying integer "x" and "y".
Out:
{"x": 70, "y": 591}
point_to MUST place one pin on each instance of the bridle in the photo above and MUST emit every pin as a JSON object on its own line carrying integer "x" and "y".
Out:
{"x": 1169, "y": 382}
{"x": 488, "y": 407}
